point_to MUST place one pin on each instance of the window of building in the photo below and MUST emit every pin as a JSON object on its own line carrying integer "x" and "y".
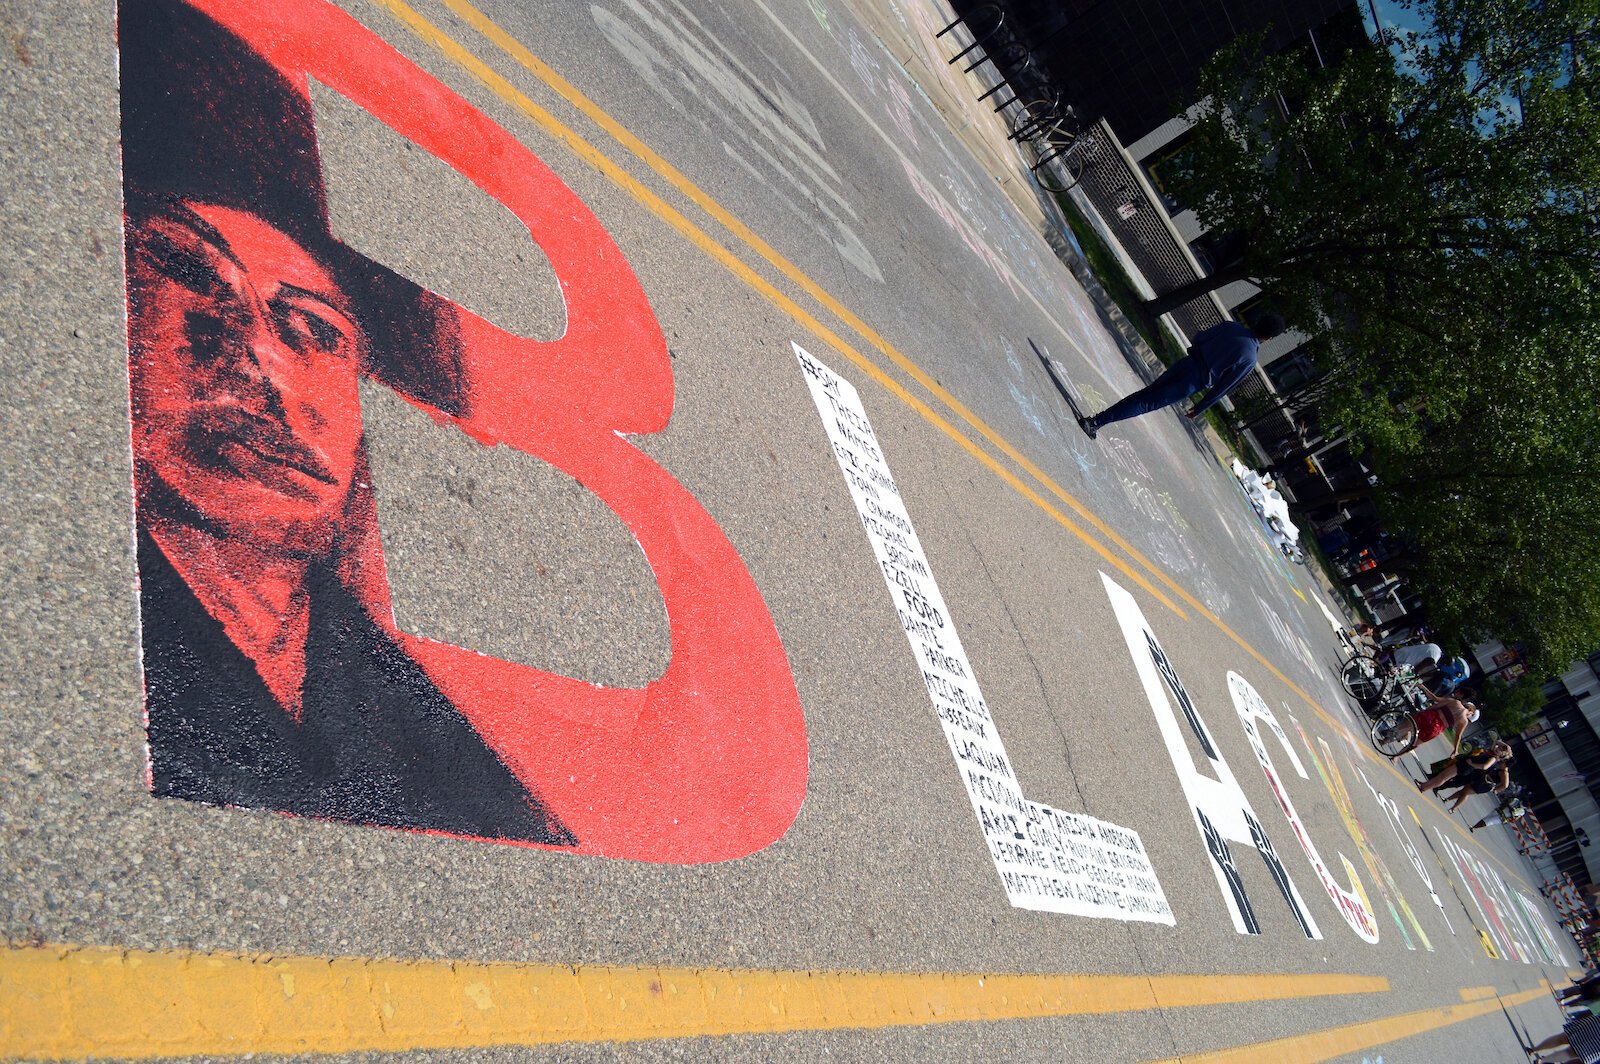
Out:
{"x": 1292, "y": 370}
{"x": 1161, "y": 167}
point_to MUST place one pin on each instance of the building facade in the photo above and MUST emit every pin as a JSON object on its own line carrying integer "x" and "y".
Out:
{"x": 1558, "y": 758}
{"x": 1137, "y": 62}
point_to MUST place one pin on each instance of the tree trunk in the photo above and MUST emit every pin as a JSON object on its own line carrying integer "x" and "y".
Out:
{"x": 1171, "y": 300}
{"x": 1367, "y": 579}
{"x": 1405, "y": 620}
{"x": 1328, "y": 498}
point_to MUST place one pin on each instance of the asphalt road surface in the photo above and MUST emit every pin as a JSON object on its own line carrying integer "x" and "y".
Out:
{"x": 852, "y": 703}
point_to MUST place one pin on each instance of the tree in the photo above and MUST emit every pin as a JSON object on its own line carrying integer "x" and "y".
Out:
{"x": 1431, "y": 209}
{"x": 1511, "y": 708}
{"x": 1492, "y": 476}
{"x": 1381, "y": 186}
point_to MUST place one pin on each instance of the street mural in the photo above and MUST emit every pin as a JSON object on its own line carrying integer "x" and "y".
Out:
{"x": 1391, "y": 812}
{"x": 275, "y": 675}
{"x": 1388, "y": 888}
{"x": 1048, "y": 859}
{"x": 1220, "y": 809}
{"x": 1353, "y": 905}
{"x": 1481, "y": 880}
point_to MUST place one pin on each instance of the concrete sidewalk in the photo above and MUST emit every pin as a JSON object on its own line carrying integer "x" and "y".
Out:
{"x": 908, "y": 31}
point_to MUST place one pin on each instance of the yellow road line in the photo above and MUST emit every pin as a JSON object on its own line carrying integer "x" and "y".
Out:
{"x": 478, "y": 69}
{"x": 65, "y": 1002}
{"x": 1352, "y": 1038}
{"x": 1477, "y": 993}
{"x": 502, "y": 88}
{"x": 520, "y": 54}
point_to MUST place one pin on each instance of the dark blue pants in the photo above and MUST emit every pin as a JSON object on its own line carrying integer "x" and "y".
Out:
{"x": 1181, "y": 380}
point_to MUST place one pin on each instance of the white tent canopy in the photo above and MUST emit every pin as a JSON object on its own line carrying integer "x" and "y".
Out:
{"x": 1271, "y": 506}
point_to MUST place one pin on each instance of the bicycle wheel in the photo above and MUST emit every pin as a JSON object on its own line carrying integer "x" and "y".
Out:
{"x": 1061, "y": 163}
{"x": 1394, "y": 733}
{"x": 1032, "y": 119}
{"x": 1360, "y": 677}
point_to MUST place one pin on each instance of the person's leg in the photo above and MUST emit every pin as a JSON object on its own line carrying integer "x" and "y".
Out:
{"x": 1555, "y": 1041}
{"x": 1181, "y": 380}
{"x": 1438, "y": 779}
{"x": 1461, "y": 796}
{"x": 1559, "y": 1056}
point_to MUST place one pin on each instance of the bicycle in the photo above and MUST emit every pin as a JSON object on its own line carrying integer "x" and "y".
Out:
{"x": 1394, "y": 720}
{"x": 1389, "y": 695}
{"x": 1394, "y": 733}
{"x": 1061, "y": 144}
{"x": 1369, "y": 678}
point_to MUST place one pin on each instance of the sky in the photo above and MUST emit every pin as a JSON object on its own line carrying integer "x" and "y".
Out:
{"x": 1395, "y": 17}
{"x": 1391, "y": 14}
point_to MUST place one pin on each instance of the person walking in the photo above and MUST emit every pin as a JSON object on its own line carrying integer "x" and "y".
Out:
{"x": 1457, "y": 715}
{"x": 1507, "y": 811}
{"x": 1577, "y": 1041}
{"x": 1219, "y": 359}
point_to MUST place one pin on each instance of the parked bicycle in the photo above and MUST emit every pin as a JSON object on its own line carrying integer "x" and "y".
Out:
{"x": 1390, "y": 695}
{"x": 1418, "y": 718}
{"x": 1062, "y": 144}
{"x": 1371, "y": 679}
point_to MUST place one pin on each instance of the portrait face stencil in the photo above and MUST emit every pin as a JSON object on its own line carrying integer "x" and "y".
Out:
{"x": 245, "y": 356}
{"x": 249, "y": 327}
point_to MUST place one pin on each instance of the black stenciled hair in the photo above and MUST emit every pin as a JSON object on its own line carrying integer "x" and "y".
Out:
{"x": 205, "y": 118}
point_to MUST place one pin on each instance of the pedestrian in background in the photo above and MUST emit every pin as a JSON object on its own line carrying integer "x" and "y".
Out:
{"x": 1507, "y": 811}
{"x": 1578, "y": 1041}
{"x": 1219, "y": 359}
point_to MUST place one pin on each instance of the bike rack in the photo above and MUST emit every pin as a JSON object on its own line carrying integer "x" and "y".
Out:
{"x": 1042, "y": 129}
{"x": 1041, "y": 114}
{"x": 1015, "y": 52}
{"x": 1027, "y": 61}
{"x": 999, "y": 22}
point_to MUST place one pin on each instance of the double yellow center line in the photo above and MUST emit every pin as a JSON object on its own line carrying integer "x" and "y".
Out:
{"x": 510, "y": 94}
{"x": 1139, "y": 573}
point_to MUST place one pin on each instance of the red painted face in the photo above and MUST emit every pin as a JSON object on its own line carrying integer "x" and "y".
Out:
{"x": 244, "y": 356}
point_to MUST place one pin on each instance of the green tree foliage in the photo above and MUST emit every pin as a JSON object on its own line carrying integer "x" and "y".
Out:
{"x": 1381, "y": 183}
{"x": 1511, "y": 708}
{"x": 1431, "y": 209}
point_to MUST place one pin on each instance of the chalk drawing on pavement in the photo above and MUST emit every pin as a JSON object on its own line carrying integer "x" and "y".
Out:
{"x": 1047, "y": 859}
{"x": 1391, "y": 812}
{"x": 761, "y": 124}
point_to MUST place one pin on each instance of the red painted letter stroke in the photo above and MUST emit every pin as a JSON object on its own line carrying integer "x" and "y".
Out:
{"x": 275, "y": 674}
